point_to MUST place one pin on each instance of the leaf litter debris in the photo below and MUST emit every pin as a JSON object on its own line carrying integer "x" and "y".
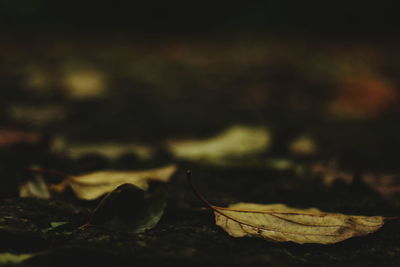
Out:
{"x": 278, "y": 222}
{"x": 10, "y": 137}
{"x": 134, "y": 201}
{"x": 110, "y": 150}
{"x": 386, "y": 184}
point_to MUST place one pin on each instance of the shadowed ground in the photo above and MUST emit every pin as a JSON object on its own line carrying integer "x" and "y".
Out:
{"x": 147, "y": 91}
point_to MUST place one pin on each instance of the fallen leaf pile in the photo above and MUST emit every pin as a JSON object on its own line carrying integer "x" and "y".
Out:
{"x": 387, "y": 185}
{"x": 134, "y": 201}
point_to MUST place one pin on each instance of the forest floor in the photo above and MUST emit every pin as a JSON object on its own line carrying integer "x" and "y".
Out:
{"x": 191, "y": 89}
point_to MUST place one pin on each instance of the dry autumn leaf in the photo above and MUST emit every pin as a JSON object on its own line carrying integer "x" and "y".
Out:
{"x": 107, "y": 150}
{"x": 303, "y": 145}
{"x": 281, "y": 223}
{"x": 234, "y": 142}
{"x": 7, "y": 258}
{"x": 36, "y": 188}
{"x": 278, "y": 222}
{"x": 84, "y": 84}
{"x": 93, "y": 185}
{"x": 386, "y": 184}
{"x": 363, "y": 97}
{"x": 330, "y": 172}
{"x": 37, "y": 115}
{"x": 130, "y": 208}
{"x": 12, "y": 137}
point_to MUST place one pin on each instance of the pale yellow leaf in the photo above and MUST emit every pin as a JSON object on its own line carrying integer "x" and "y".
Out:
{"x": 93, "y": 185}
{"x": 303, "y": 145}
{"x": 84, "y": 84}
{"x": 278, "y": 222}
{"x": 11, "y": 258}
{"x": 237, "y": 141}
{"x": 36, "y": 188}
{"x": 110, "y": 150}
{"x": 37, "y": 115}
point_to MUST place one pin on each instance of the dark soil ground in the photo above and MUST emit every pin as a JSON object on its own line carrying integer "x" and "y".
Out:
{"x": 195, "y": 89}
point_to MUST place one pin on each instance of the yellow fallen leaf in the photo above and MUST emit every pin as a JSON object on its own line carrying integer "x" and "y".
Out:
{"x": 84, "y": 84}
{"x": 93, "y": 185}
{"x": 278, "y": 222}
{"x": 36, "y": 188}
{"x": 11, "y": 258}
{"x": 234, "y": 142}
{"x": 107, "y": 150}
{"x": 304, "y": 145}
{"x": 37, "y": 115}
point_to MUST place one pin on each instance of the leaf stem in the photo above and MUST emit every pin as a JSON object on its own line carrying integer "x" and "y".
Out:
{"x": 196, "y": 192}
{"x": 392, "y": 218}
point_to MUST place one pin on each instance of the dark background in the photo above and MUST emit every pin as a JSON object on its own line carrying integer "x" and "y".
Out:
{"x": 351, "y": 18}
